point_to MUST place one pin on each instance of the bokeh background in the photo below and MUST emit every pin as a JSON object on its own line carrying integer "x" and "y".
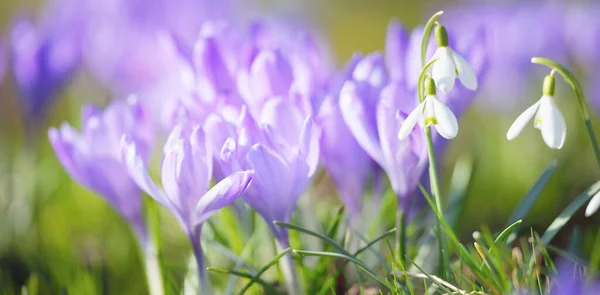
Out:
{"x": 49, "y": 224}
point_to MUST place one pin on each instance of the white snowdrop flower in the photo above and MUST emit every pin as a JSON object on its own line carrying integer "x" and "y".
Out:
{"x": 450, "y": 65}
{"x": 431, "y": 112}
{"x": 548, "y": 118}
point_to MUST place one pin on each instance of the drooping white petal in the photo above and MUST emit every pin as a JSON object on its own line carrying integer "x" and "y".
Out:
{"x": 443, "y": 70}
{"x": 410, "y": 121}
{"x": 465, "y": 71}
{"x": 551, "y": 123}
{"x": 521, "y": 121}
{"x": 429, "y": 112}
{"x": 447, "y": 125}
{"x": 593, "y": 205}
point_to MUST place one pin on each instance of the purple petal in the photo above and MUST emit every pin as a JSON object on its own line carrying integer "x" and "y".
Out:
{"x": 64, "y": 141}
{"x": 186, "y": 169}
{"x": 221, "y": 195}
{"x": 271, "y": 74}
{"x": 271, "y": 191}
{"x": 136, "y": 169}
{"x": 396, "y": 43}
{"x": 307, "y": 159}
{"x": 357, "y": 118}
{"x": 344, "y": 159}
{"x": 210, "y": 63}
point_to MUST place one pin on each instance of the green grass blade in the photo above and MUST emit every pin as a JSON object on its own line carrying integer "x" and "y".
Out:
{"x": 532, "y": 195}
{"x": 566, "y": 214}
{"x": 361, "y": 265}
{"x": 505, "y": 234}
{"x": 335, "y": 223}
{"x": 270, "y": 289}
{"x": 264, "y": 269}
{"x": 325, "y": 238}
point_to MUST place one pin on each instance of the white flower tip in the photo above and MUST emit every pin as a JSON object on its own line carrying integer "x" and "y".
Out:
{"x": 593, "y": 206}
{"x": 403, "y": 133}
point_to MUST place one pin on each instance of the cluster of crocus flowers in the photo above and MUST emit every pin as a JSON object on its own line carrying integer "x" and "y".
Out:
{"x": 258, "y": 116}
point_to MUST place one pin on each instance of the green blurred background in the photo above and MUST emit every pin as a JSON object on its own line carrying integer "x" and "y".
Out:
{"x": 50, "y": 223}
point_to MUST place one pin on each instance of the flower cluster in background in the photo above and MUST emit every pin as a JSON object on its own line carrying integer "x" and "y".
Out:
{"x": 209, "y": 108}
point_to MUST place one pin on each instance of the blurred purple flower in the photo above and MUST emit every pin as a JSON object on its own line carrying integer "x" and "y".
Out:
{"x": 344, "y": 159}
{"x": 583, "y": 38}
{"x": 92, "y": 157}
{"x": 283, "y": 150}
{"x": 3, "y": 61}
{"x": 42, "y": 62}
{"x": 571, "y": 280}
{"x": 516, "y": 33}
{"x": 374, "y": 102}
{"x": 186, "y": 174}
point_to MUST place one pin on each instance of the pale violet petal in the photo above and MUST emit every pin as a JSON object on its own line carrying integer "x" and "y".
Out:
{"x": 447, "y": 125}
{"x": 443, "y": 70}
{"x": 411, "y": 121}
{"x": 465, "y": 72}
{"x": 136, "y": 168}
{"x": 521, "y": 121}
{"x": 221, "y": 195}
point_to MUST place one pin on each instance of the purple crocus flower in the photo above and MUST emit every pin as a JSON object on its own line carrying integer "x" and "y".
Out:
{"x": 375, "y": 106}
{"x": 374, "y": 117}
{"x": 571, "y": 280}
{"x": 516, "y": 33}
{"x": 186, "y": 174}
{"x": 42, "y": 62}
{"x": 283, "y": 151}
{"x": 344, "y": 159}
{"x": 93, "y": 156}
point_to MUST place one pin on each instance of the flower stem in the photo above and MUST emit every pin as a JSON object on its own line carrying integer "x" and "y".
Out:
{"x": 401, "y": 238}
{"x": 152, "y": 266}
{"x": 288, "y": 267}
{"x": 583, "y": 105}
{"x": 204, "y": 282}
{"x": 435, "y": 190}
{"x": 150, "y": 245}
{"x": 427, "y": 33}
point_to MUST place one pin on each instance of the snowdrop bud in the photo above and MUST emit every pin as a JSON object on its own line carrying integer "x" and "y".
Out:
{"x": 441, "y": 36}
{"x": 429, "y": 86}
{"x": 548, "y": 86}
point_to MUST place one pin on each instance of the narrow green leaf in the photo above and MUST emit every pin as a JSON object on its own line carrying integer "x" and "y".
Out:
{"x": 505, "y": 234}
{"x": 335, "y": 223}
{"x": 446, "y": 290}
{"x": 246, "y": 275}
{"x": 329, "y": 240}
{"x": 361, "y": 265}
{"x": 264, "y": 269}
{"x": 532, "y": 195}
{"x": 566, "y": 214}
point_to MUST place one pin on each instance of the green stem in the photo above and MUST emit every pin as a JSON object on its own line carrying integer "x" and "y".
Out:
{"x": 401, "y": 238}
{"x": 151, "y": 250}
{"x": 427, "y": 33}
{"x": 435, "y": 191}
{"x": 583, "y": 105}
